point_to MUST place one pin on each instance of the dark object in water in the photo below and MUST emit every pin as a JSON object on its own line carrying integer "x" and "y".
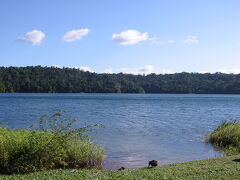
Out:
{"x": 121, "y": 168}
{"x": 153, "y": 163}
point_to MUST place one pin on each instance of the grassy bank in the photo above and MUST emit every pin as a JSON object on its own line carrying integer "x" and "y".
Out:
{"x": 226, "y": 137}
{"x": 219, "y": 168}
{"x": 71, "y": 147}
{"x": 54, "y": 144}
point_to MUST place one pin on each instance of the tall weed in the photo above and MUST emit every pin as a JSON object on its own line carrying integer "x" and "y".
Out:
{"x": 227, "y": 137}
{"x": 53, "y": 144}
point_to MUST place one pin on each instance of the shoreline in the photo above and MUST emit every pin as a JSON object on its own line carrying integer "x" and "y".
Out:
{"x": 115, "y": 167}
{"x": 215, "y": 168}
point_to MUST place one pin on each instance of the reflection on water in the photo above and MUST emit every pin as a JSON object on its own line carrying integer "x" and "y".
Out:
{"x": 139, "y": 127}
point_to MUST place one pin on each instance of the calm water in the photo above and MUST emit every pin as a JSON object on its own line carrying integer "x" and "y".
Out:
{"x": 139, "y": 128}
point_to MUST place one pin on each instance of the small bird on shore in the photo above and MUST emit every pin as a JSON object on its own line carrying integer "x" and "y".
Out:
{"x": 121, "y": 168}
{"x": 153, "y": 163}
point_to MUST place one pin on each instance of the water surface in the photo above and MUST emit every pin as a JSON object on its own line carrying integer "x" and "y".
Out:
{"x": 139, "y": 127}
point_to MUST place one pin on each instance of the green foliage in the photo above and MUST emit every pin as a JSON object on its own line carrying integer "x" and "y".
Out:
{"x": 53, "y": 145}
{"x": 226, "y": 136}
{"x": 69, "y": 80}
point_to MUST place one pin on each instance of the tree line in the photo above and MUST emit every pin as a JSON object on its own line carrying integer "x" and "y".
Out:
{"x": 38, "y": 79}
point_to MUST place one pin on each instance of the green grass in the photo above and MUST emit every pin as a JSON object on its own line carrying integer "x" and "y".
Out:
{"x": 51, "y": 146}
{"x": 226, "y": 137}
{"x": 219, "y": 168}
{"x": 23, "y": 151}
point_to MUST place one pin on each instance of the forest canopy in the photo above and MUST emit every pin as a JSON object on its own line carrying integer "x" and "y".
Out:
{"x": 38, "y": 79}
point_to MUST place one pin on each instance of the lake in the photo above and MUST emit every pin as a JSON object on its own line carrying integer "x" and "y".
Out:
{"x": 139, "y": 127}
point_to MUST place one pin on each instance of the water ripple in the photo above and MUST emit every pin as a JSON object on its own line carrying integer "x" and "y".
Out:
{"x": 140, "y": 127}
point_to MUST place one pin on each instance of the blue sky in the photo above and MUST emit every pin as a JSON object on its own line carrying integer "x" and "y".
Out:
{"x": 129, "y": 35}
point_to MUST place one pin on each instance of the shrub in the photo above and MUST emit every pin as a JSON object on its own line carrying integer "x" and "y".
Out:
{"x": 54, "y": 144}
{"x": 226, "y": 136}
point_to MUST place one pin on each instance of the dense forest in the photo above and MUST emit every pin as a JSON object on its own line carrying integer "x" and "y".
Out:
{"x": 69, "y": 80}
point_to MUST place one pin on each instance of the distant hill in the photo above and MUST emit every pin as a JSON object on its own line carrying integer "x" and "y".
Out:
{"x": 37, "y": 79}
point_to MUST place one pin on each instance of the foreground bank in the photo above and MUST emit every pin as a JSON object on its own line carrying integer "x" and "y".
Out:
{"x": 219, "y": 168}
{"x": 23, "y": 149}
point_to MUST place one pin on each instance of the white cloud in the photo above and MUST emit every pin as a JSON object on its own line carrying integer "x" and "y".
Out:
{"x": 155, "y": 40}
{"x": 130, "y": 37}
{"x": 109, "y": 71}
{"x": 84, "y": 68}
{"x": 230, "y": 71}
{"x": 148, "y": 69}
{"x": 165, "y": 71}
{"x": 171, "y": 41}
{"x": 75, "y": 35}
{"x": 191, "y": 40}
{"x": 56, "y": 66}
{"x": 34, "y": 37}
